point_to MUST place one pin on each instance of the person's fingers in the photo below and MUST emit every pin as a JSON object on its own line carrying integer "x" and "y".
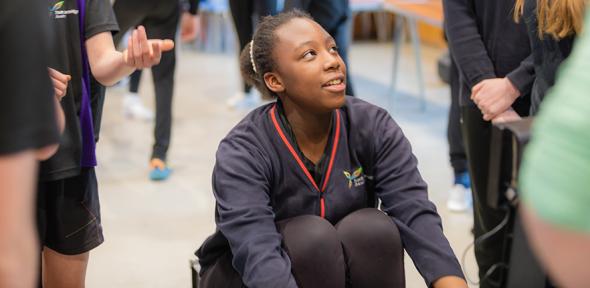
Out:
{"x": 58, "y": 84}
{"x": 145, "y": 47}
{"x": 477, "y": 97}
{"x": 157, "y": 53}
{"x": 58, "y": 75}
{"x": 166, "y": 45}
{"x": 128, "y": 53}
{"x": 477, "y": 87}
{"x": 137, "y": 49}
{"x": 58, "y": 93}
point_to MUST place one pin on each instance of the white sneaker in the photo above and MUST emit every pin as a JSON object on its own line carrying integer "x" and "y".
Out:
{"x": 133, "y": 108}
{"x": 242, "y": 100}
{"x": 459, "y": 198}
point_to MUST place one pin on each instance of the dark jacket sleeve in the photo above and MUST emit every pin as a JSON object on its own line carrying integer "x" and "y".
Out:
{"x": 404, "y": 198}
{"x": 465, "y": 42}
{"x": 523, "y": 76}
{"x": 245, "y": 217}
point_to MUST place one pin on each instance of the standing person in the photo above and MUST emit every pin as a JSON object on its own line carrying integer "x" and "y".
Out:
{"x": 460, "y": 194}
{"x": 491, "y": 52}
{"x": 296, "y": 180}
{"x": 28, "y": 133}
{"x": 246, "y": 14}
{"x": 552, "y": 27}
{"x": 68, "y": 207}
{"x": 554, "y": 177}
{"x": 335, "y": 17}
{"x": 161, "y": 21}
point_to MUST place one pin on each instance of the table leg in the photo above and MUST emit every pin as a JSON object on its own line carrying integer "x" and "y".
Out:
{"x": 418, "y": 56}
{"x": 398, "y": 38}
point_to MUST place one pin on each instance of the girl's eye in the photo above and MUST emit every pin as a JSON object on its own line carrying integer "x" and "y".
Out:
{"x": 334, "y": 49}
{"x": 309, "y": 54}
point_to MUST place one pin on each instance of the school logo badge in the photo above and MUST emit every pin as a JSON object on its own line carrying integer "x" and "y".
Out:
{"x": 356, "y": 178}
{"x": 56, "y": 11}
{"x": 57, "y": 6}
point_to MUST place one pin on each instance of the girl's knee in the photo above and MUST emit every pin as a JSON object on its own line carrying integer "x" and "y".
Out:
{"x": 309, "y": 235}
{"x": 369, "y": 223}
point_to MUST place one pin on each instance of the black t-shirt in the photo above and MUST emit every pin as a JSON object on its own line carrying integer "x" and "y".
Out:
{"x": 64, "y": 15}
{"x": 27, "y": 109}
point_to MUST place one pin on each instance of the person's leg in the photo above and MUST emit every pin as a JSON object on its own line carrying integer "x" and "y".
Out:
{"x": 241, "y": 12}
{"x": 64, "y": 271}
{"x": 18, "y": 245}
{"x": 460, "y": 194}
{"x": 163, "y": 26}
{"x": 373, "y": 249}
{"x": 477, "y": 136}
{"x": 69, "y": 227}
{"x": 343, "y": 40}
{"x": 314, "y": 249}
{"x": 134, "y": 80}
{"x": 264, "y": 8}
{"x": 221, "y": 274}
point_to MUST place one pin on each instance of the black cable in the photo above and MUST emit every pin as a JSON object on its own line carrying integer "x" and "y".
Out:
{"x": 481, "y": 239}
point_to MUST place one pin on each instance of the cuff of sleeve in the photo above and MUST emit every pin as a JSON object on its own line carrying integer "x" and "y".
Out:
{"x": 521, "y": 79}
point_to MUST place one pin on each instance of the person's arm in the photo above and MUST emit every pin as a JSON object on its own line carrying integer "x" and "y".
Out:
{"x": 523, "y": 77}
{"x": 466, "y": 43}
{"x": 109, "y": 66}
{"x": 245, "y": 217}
{"x": 404, "y": 198}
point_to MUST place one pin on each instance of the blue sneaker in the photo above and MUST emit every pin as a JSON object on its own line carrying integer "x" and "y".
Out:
{"x": 160, "y": 170}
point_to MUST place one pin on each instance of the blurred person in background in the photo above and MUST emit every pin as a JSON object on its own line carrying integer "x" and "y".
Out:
{"x": 160, "y": 18}
{"x": 490, "y": 51}
{"x": 246, "y": 14}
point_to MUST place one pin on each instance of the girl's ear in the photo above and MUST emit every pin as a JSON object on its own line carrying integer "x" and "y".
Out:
{"x": 274, "y": 82}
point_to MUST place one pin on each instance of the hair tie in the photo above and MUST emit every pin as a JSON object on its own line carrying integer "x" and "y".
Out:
{"x": 252, "y": 56}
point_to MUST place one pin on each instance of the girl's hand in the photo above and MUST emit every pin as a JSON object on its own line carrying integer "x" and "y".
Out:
{"x": 449, "y": 282}
{"x": 143, "y": 53}
{"x": 494, "y": 96}
{"x": 507, "y": 116}
{"x": 60, "y": 83}
{"x": 189, "y": 27}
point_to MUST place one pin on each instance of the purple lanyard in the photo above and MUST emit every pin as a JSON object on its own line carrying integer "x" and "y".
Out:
{"x": 88, "y": 145}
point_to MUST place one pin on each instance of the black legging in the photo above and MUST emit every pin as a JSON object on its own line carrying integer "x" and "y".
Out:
{"x": 454, "y": 134}
{"x": 363, "y": 250}
{"x": 160, "y": 19}
{"x": 245, "y": 14}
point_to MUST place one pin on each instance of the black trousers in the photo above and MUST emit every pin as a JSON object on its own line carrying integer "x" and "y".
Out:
{"x": 362, "y": 250}
{"x": 160, "y": 19}
{"x": 454, "y": 134}
{"x": 246, "y": 14}
{"x": 477, "y": 133}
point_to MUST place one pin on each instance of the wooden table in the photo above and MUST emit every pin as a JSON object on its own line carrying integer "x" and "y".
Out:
{"x": 409, "y": 12}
